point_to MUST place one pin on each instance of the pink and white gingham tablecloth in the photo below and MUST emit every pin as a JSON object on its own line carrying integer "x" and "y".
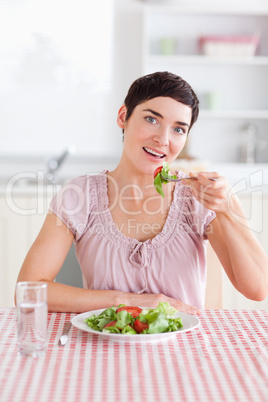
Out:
{"x": 224, "y": 359}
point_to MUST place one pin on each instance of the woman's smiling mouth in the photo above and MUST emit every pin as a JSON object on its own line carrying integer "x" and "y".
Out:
{"x": 154, "y": 153}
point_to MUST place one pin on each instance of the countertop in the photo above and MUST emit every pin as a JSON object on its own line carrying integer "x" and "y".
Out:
{"x": 15, "y": 173}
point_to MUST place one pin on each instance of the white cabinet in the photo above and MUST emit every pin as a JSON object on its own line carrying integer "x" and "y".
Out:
{"x": 220, "y": 291}
{"x": 21, "y": 218}
{"x": 256, "y": 210}
{"x": 13, "y": 229}
{"x": 232, "y": 90}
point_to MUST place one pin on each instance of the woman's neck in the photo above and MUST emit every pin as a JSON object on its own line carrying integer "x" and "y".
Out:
{"x": 134, "y": 184}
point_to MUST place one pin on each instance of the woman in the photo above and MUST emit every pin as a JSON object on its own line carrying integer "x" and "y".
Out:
{"x": 133, "y": 246}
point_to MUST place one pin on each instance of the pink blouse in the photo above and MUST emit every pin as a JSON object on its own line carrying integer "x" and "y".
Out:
{"x": 172, "y": 263}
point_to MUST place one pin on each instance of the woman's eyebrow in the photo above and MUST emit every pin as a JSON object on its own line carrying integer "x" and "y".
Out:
{"x": 153, "y": 112}
{"x": 160, "y": 115}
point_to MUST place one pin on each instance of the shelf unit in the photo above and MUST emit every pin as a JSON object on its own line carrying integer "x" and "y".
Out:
{"x": 241, "y": 83}
{"x": 234, "y": 114}
{"x": 199, "y": 59}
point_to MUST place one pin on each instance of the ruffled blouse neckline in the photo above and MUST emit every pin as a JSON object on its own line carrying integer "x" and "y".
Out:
{"x": 119, "y": 237}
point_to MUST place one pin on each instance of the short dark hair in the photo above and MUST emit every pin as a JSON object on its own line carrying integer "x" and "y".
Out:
{"x": 161, "y": 84}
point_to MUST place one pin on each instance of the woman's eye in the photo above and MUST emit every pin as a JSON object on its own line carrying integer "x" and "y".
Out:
{"x": 151, "y": 119}
{"x": 179, "y": 130}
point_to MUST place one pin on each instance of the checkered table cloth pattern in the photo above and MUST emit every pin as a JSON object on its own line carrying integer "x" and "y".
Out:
{"x": 224, "y": 359}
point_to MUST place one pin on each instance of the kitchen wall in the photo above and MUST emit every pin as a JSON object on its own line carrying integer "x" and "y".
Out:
{"x": 64, "y": 72}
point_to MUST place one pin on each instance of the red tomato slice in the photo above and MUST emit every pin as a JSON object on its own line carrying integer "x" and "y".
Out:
{"x": 110, "y": 324}
{"x": 140, "y": 326}
{"x": 157, "y": 170}
{"x": 134, "y": 311}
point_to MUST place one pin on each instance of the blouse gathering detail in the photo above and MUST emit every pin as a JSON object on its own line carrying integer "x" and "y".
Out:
{"x": 172, "y": 263}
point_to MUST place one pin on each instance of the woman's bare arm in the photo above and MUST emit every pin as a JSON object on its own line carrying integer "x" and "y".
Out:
{"x": 240, "y": 253}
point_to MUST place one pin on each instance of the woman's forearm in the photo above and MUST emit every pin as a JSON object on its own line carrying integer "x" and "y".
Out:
{"x": 249, "y": 263}
{"x": 64, "y": 298}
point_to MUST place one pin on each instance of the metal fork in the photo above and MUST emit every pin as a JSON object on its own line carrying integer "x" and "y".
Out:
{"x": 182, "y": 178}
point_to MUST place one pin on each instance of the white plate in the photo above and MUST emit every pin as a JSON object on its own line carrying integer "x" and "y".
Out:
{"x": 189, "y": 323}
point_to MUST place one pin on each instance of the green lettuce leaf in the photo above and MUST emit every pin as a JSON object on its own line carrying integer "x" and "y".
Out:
{"x": 128, "y": 330}
{"x": 123, "y": 319}
{"x": 166, "y": 308}
{"x": 158, "y": 183}
{"x": 158, "y": 322}
{"x": 103, "y": 321}
{"x": 98, "y": 322}
{"x": 175, "y": 324}
{"x": 113, "y": 330}
{"x": 160, "y": 179}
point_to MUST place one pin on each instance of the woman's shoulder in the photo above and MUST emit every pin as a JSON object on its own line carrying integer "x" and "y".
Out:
{"x": 77, "y": 200}
{"x": 81, "y": 189}
{"x": 84, "y": 180}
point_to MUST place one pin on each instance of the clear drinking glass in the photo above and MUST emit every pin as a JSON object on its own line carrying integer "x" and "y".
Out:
{"x": 31, "y": 298}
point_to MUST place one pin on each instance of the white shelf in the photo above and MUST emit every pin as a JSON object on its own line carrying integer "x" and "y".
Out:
{"x": 241, "y": 82}
{"x": 200, "y": 59}
{"x": 234, "y": 114}
{"x": 259, "y": 7}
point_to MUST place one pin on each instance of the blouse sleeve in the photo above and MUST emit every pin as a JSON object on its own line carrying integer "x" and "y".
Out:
{"x": 72, "y": 205}
{"x": 195, "y": 214}
{"x": 205, "y": 216}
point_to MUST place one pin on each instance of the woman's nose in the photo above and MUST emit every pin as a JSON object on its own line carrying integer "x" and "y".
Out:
{"x": 162, "y": 137}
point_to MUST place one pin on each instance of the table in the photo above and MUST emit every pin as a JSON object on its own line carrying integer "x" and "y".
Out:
{"x": 224, "y": 359}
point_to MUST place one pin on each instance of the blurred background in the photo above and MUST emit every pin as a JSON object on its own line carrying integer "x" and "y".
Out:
{"x": 65, "y": 68}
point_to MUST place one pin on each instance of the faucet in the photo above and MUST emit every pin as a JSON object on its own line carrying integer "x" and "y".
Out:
{"x": 54, "y": 163}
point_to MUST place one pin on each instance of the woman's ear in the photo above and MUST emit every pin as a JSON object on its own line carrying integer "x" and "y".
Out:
{"x": 121, "y": 117}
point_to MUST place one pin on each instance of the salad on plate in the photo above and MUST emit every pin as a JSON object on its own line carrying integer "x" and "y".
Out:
{"x": 130, "y": 320}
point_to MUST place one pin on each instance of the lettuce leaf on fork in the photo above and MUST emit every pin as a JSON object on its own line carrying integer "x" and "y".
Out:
{"x": 159, "y": 179}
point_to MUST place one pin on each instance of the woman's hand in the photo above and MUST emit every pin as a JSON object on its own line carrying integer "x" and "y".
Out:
{"x": 213, "y": 194}
{"x": 152, "y": 300}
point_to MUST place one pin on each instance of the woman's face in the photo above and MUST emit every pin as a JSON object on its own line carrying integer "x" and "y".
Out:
{"x": 155, "y": 132}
